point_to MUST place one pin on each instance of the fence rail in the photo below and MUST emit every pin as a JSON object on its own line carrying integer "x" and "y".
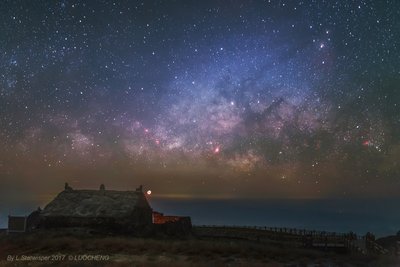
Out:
{"x": 308, "y": 238}
{"x": 284, "y": 230}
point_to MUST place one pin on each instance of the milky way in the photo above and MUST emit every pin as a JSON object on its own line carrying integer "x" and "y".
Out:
{"x": 209, "y": 98}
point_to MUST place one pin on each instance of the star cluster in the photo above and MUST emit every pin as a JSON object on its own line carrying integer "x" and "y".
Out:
{"x": 225, "y": 98}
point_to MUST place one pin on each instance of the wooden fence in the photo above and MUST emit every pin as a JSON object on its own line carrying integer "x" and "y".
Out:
{"x": 303, "y": 237}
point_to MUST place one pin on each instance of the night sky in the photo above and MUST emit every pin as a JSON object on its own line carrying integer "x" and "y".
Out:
{"x": 205, "y": 99}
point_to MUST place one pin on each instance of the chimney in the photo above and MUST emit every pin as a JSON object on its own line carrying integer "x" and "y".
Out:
{"x": 67, "y": 187}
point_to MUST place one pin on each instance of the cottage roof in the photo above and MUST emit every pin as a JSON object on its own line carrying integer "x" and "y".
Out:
{"x": 95, "y": 203}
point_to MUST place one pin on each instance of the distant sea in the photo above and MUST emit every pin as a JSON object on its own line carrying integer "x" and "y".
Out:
{"x": 379, "y": 216}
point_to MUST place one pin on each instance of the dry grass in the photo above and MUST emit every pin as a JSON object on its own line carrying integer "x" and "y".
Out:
{"x": 128, "y": 251}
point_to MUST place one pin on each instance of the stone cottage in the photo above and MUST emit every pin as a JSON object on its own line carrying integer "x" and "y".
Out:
{"x": 108, "y": 209}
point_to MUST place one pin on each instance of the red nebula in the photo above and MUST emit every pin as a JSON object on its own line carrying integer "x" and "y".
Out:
{"x": 366, "y": 143}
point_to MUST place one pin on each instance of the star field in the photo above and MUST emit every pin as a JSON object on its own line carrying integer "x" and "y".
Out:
{"x": 202, "y": 98}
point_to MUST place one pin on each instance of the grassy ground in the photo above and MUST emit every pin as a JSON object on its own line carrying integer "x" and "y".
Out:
{"x": 129, "y": 251}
